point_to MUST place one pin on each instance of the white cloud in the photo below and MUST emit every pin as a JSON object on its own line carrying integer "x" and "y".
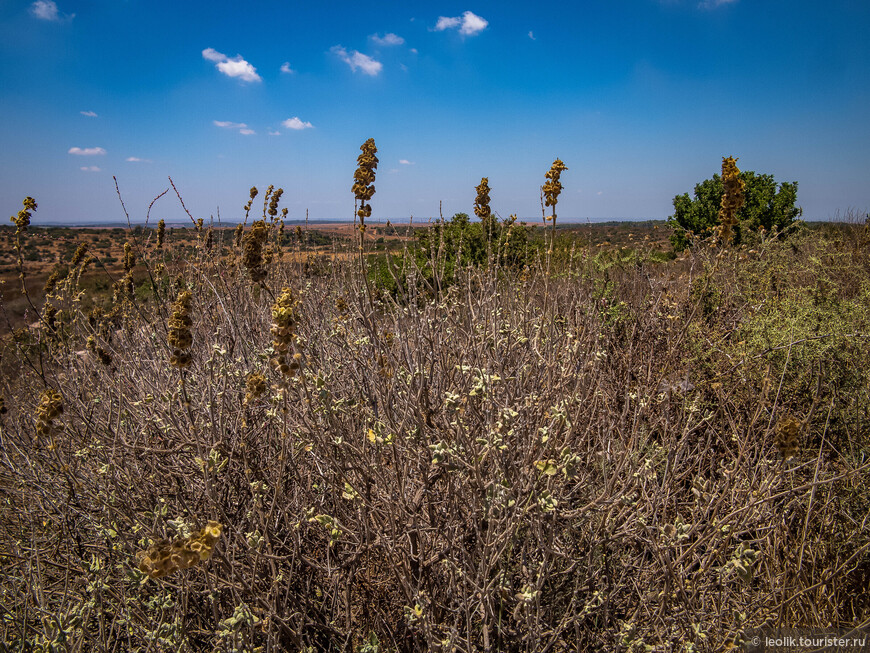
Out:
{"x": 91, "y": 169}
{"x": 446, "y": 23}
{"x": 405, "y": 162}
{"x": 285, "y": 68}
{"x": 469, "y": 23}
{"x": 387, "y": 39}
{"x": 226, "y": 124}
{"x": 47, "y": 10}
{"x": 532, "y": 35}
{"x": 414, "y": 50}
{"x": 242, "y": 127}
{"x": 136, "y": 159}
{"x": 472, "y": 24}
{"x": 235, "y": 67}
{"x": 87, "y": 151}
{"x": 213, "y": 55}
{"x": 89, "y": 114}
{"x": 274, "y": 133}
{"x": 240, "y": 68}
{"x": 358, "y": 60}
{"x": 295, "y": 123}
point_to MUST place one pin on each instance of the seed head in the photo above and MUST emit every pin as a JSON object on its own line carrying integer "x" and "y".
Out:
{"x": 161, "y": 233}
{"x": 733, "y": 199}
{"x": 22, "y": 220}
{"x": 255, "y": 387}
{"x": 286, "y": 361}
{"x": 273, "y": 202}
{"x": 50, "y": 407}
{"x": 129, "y": 258}
{"x": 553, "y": 186}
{"x": 481, "y": 203}
{"x": 163, "y": 558}
{"x": 364, "y": 179}
{"x": 52, "y": 280}
{"x": 787, "y": 438}
{"x": 180, "y": 337}
{"x": 79, "y": 254}
{"x": 253, "y": 253}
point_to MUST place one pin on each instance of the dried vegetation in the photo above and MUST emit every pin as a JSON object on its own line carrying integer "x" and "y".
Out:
{"x": 622, "y": 453}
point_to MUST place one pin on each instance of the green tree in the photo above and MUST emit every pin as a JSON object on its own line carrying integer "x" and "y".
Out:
{"x": 766, "y": 206}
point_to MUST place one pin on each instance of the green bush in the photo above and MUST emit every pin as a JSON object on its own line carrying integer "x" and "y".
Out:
{"x": 766, "y": 205}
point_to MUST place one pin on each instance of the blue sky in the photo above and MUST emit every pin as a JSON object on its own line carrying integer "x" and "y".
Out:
{"x": 640, "y": 98}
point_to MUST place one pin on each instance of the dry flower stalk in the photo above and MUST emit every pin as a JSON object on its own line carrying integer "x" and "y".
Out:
{"x": 552, "y": 188}
{"x": 180, "y": 337}
{"x": 79, "y": 254}
{"x": 286, "y": 361}
{"x": 252, "y": 257}
{"x": 161, "y": 233}
{"x": 732, "y": 199}
{"x": 52, "y": 280}
{"x": 22, "y": 221}
{"x": 481, "y": 202}
{"x": 364, "y": 182}
{"x": 273, "y": 202}
{"x": 481, "y": 205}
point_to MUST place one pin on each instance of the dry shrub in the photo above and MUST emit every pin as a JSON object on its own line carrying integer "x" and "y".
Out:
{"x": 488, "y": 470}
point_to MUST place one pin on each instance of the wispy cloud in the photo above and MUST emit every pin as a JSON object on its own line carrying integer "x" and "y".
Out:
{"x": 274, "y": 133}
{"x": 136, "y": 159}
{"x": 712, "y": 4}
{"x": 297, "y": 124}
{"x": 47, "y": 10}
{"x": 285, "y": 68}
{"x": 446, "y": 23}
{"x": 91, "y": 169}
{"x": 86, "y": 151}
{"x": 358, "y": 61}
{"x": 405, "y": 162}
{"x": 469, "y": 23}
{"x": 387, "y": 39}
{"x": 532, "y": 35}
{"x": 89, "y": 114}
{"x": 235, "y": 67}
{"x": 242, "y": 127}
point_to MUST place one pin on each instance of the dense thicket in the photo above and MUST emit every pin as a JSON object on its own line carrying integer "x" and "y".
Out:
{"x": 622, "y": 454}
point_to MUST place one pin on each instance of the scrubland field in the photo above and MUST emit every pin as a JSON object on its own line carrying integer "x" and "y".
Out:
{"x": 476, "y": 436}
